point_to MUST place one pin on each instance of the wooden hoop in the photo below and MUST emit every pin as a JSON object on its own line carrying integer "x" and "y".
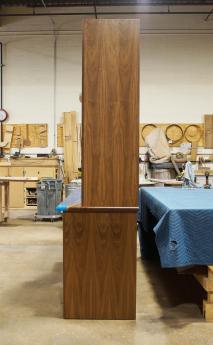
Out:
{"x": 147, "y": 125}
{"x": 179, "y": 127}
{"x": 199, "y": 131}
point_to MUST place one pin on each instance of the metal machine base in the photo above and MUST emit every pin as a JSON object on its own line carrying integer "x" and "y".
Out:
{"x": 50, "y": 217}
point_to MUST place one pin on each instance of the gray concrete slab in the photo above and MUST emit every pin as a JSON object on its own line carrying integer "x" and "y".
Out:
{"x": 31, "y": 298}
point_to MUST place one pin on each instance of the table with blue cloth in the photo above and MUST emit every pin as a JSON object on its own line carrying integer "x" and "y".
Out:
{"x": 73, "y": 199}
{"x": 180, "y": 221}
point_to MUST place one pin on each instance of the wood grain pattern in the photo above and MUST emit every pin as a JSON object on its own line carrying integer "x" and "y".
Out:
{"x": 208, "y": 130}
{"x": 100, "y": 265}
{"x": 110, "y": 112}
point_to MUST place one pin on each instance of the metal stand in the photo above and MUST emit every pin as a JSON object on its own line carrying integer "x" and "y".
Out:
{"x": 50, "y": 217}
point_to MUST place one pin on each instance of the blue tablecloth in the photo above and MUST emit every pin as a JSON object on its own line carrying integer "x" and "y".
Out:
{"x": 182, "y": 220}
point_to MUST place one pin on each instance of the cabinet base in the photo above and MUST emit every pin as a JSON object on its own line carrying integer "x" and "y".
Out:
{"x": 100, "y": 264}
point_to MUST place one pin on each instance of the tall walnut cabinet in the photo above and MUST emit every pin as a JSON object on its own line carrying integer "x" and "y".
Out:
{"x": 100, "y": 235}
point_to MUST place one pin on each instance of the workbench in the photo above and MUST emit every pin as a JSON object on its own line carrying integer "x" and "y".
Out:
{"x": 26, "y": 167}
{"x": 5, "y": 193}
{"x": 147, "y": 183}
{"x": 180, "y": 221}
{"x": 167, "y": 183}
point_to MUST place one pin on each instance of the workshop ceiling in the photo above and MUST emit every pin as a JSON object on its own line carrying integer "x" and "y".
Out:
{"x": 171, "y": 16}
{"x": 53, "y": 3}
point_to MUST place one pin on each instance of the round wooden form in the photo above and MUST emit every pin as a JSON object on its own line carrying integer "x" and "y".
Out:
{"x": 147, "y": 129}
{"x": 193, "y": 133}
{"x": 174, "y": 133}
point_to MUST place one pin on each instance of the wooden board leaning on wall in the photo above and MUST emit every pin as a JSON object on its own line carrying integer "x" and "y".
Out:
{"x": 179, "y": 132}
{"x": 37, "y": 134}
{"x": 70, "y": 137}
{"x": 60, "y": 135}
{"x": 208, "y": 131}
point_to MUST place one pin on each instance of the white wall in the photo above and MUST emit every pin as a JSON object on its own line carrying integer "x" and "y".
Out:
{"x": 29, "y": 74}
{"x": 176, "y": 77}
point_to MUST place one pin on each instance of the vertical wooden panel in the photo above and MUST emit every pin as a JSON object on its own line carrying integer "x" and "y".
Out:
{"x": 110, "y": 112}
{"x": 208, "y": 129}
{"x": 100, "y": 265}
{"x": 70, "y": 145}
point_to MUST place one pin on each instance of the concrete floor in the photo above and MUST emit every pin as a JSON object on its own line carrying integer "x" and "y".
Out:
{"x": 31, "y": 298}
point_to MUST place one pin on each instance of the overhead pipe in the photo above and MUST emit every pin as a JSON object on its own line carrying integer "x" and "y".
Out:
{"x": 54, "y": 75}
{"x": 159, "y": 31}
{"x": 122, "y": 3}
{"x": 36, "y": 14}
